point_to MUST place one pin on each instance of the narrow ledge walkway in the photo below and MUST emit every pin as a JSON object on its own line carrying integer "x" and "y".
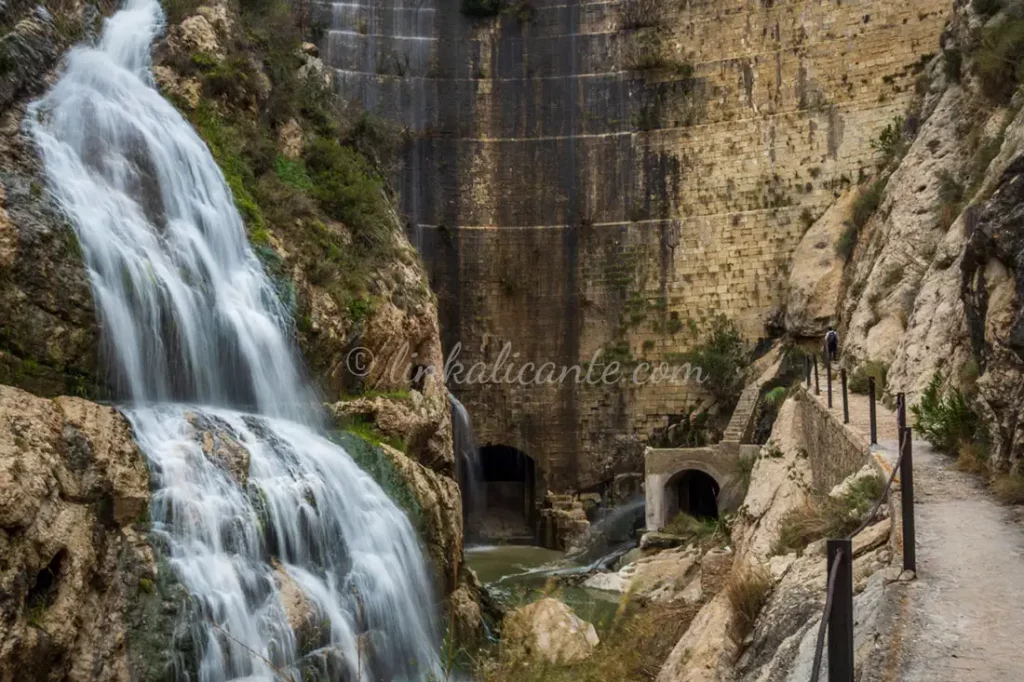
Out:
{"x": 962, "y": 619}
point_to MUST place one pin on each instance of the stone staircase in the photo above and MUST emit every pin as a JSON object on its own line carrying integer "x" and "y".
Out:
{"x": 740, "y": 424}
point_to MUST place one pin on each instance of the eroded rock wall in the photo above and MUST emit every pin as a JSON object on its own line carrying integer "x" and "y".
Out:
{"x": 79, "y": 579}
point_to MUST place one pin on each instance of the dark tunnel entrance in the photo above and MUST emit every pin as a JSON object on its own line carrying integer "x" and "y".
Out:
{"x": 509, "y": 478}
{"x": 697, "y": 494}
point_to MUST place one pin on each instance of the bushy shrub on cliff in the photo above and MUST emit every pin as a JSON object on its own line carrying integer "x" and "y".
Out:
{"x": 946, "y": 419}
{"x": 722, "y": 358}
{"x": 828, "y": 517}
{"x": 999, "y": 56}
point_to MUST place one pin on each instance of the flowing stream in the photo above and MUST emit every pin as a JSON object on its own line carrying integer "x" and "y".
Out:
{"x": 257, "y": 508}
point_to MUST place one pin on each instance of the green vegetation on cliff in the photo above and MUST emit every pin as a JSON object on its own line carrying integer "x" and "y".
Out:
{"x": 305, "y": 176}
{"x": 368, "y": 454}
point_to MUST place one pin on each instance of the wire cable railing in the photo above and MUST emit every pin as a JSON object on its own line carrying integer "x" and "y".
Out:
{"x": 840, "y": 551}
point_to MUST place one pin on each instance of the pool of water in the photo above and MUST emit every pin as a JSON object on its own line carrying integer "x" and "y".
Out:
{"x": 517, "y": 574}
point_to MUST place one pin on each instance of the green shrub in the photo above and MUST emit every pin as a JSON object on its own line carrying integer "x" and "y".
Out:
{"x": 721, "y": 359}
{"x": 945, "y": 418}
{"x": 999, "y": 59}
{"x": 859, "y": 378}
{"x": 293, "y": 173}
{"x": 864, "y": 206}
{"x": 702, "y": 532}
{"x": 348, "y": 189}
{"x": 891, "y": 142}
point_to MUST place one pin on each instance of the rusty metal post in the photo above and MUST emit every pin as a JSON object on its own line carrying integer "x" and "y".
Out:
{"x": 907, "y": 500}
{"x": 807, "y": 370}
{"x": 871, "y": 406}
{"x": 828, "y": 382}
{"x": 846, "y": 399}
{"x": 840, "y": 622}
{"x": 817, "y": 386}
{"x": 901, "y": 410}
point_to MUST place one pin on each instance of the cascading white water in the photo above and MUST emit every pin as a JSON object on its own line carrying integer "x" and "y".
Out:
{"x": 190, "y": 317}
{"x": 467, "y": 461}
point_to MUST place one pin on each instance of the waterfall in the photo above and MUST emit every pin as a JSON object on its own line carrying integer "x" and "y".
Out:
{"x": 467, "y": 461}
{"x": 252, "y": 504}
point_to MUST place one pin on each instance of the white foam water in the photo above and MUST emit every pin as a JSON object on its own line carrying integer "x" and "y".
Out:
{"x": 200, "y": 356}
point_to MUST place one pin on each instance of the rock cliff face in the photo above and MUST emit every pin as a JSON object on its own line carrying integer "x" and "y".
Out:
{"x": 932, "y": 283}
{"x": 48, "y": 330}
{"x": 79, "y": 580}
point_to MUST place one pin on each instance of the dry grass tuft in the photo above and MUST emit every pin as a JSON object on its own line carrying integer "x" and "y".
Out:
{"x": 747, "y": 591}
{"x": 972, "y": 457}
{"x": 1009, "y": 488}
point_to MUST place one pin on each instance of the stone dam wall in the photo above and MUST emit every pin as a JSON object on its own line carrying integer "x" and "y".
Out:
{"x": 568, "y": 202}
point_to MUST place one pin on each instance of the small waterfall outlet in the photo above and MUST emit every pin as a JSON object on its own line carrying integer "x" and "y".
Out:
{"x": 470, "y": 470}
{"x": 252, "y": 502}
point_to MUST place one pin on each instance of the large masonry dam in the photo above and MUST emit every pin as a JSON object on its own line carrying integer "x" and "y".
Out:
{"x": 589, "y": 176}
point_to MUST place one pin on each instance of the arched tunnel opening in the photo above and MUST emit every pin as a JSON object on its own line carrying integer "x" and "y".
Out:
{"x": 510, "y": 492}
{"x": 696, "y": 493}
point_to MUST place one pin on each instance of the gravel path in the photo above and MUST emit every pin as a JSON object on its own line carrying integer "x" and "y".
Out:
{"x": 961, "y": 620}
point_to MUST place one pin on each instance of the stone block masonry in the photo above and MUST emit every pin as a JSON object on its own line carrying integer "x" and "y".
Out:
{"x": 567, "y": 204}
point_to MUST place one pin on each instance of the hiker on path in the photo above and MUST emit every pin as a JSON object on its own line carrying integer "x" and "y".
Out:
{"x": 832, "y": 344}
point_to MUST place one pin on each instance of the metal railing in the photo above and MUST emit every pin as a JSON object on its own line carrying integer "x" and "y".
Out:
{"x": 837, "y": 617}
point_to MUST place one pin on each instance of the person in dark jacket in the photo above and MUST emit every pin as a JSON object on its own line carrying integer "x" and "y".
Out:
{"x": 832, "y": 344}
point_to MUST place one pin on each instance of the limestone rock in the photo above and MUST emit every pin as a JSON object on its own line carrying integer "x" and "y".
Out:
{"x": 664, "y": 577}
{"x": 195, "y": 35}
{"x": 219, "y": 443}
{"x": 186, "y": 90}
{"x": 812, "y": 295}
{"x": 289, "y": 140}
{"x": 49, "y": 336}
{"x": 302, "y": 617}
{"x": 896, "y": 245}
{"x": 564, "y": 523}
{"x": 548, "y": 630}
{"x": 703, "y": 653}
{"x": 466, "y": 615}
{"x": 72, "y": 486}
{"x": 218, "y": 16}
{"x": 779, "y": 482}
{"x": 8, "y": 237}
{"x": 441, "y": 507}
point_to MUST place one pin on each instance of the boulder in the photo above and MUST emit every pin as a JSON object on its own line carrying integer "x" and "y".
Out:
{"x": 548, "y": 630}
